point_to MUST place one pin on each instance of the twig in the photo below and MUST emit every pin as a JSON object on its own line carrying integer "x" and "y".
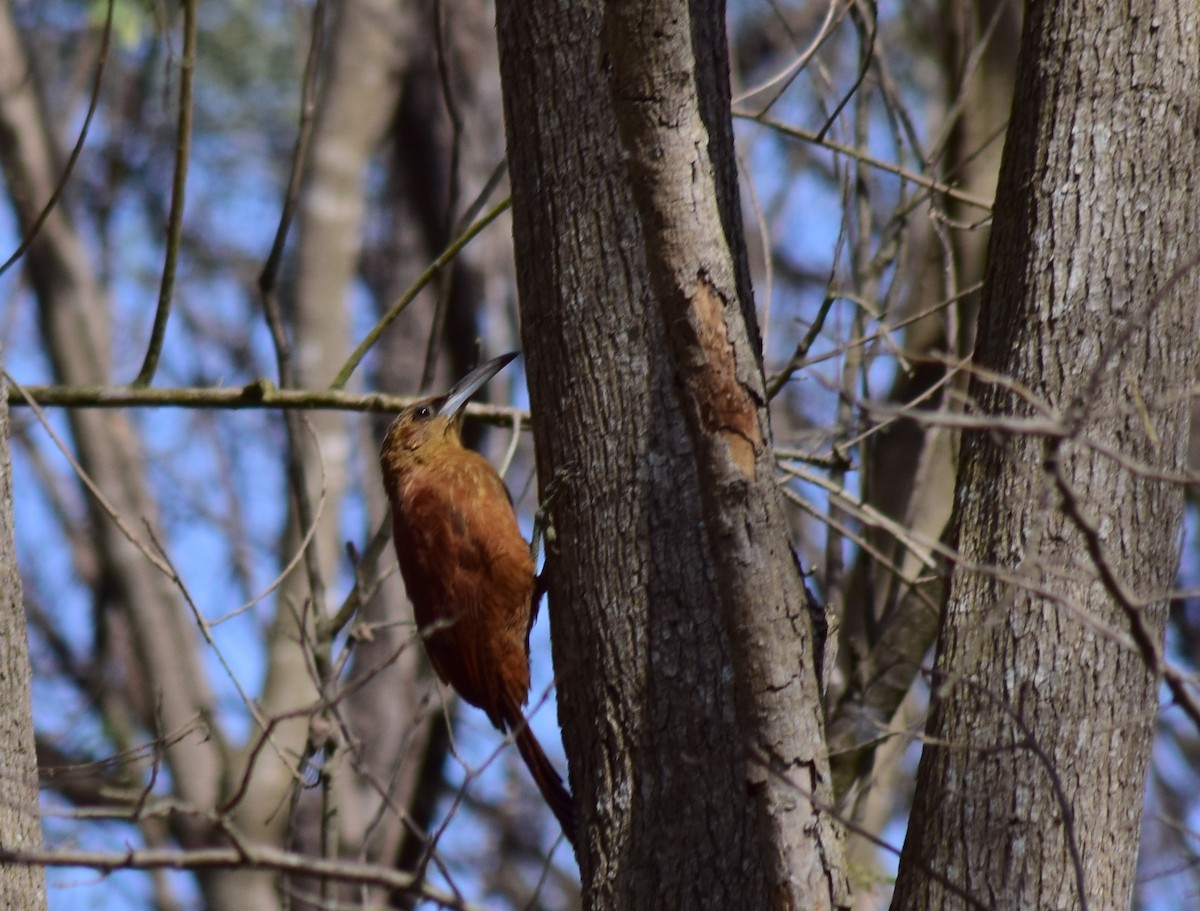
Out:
{"x": 920, "y": 179}
{"x": 241, "y": 855}
{"x": 1144, "y": 638}
{"x": 93, "y": 102}
{"x": 258, "y": 394}
{"x": 183, "y": 149}
{"x": 407, "y": 298}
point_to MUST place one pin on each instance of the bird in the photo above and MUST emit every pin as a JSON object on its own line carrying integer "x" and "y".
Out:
{"x": 467, "y": 568}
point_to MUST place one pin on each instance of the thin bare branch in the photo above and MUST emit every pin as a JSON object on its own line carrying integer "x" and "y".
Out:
{"x": 93, "y": 100}
{"x": 183, "y": 153}
{"x": 244, "y": 856}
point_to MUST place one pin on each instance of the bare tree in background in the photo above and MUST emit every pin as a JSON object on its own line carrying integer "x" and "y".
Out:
{"x": 743, "y": 604}
{"x": 369, "y": 734}
{"x": 893, "y": 587}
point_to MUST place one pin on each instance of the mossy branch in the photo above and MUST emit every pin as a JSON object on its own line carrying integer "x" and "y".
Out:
{"x": 259, "y": 394}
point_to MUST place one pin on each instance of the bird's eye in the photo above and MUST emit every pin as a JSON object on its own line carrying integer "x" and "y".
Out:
{"x": 423, "y": 413}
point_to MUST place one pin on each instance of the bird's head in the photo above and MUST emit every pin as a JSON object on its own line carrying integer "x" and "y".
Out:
{"x": 425, "y": 426}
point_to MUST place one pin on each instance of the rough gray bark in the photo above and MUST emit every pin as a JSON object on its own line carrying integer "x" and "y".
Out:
{"x": 636, "y": 591}
{"x": 22, "y": 888}
{"x": 671, "y": 98}
{"x": 1030, "y": 788}
{"x": 658, "y": 766}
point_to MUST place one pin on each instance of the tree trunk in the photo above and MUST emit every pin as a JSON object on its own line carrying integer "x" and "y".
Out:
{"x": 22, "y": 888}
{"x": 1030, "y": 789}
{"x": 369, "y": 52}
{"x": 643, "y": 654}
{"x": 671, "y": 98}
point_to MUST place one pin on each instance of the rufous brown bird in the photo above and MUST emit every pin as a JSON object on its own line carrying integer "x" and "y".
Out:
{"x": 467, "y": 568}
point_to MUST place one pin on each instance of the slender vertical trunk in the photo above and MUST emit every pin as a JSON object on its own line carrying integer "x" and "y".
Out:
{"x": 22, "y": 888}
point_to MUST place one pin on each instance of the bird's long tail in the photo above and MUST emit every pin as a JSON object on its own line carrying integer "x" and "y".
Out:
{"x": 544, "y": 774}
{"x": 547, "y": 780}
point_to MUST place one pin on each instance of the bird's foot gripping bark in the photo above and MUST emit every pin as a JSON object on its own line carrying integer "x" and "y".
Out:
{"x": 543, "y": 530}
{"x": 543, "y": 521}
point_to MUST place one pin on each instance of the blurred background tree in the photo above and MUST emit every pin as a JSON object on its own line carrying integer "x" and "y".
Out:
{"x": 231, "y": 667}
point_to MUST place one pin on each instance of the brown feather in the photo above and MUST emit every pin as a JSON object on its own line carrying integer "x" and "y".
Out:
{"x": 470, "y": 576}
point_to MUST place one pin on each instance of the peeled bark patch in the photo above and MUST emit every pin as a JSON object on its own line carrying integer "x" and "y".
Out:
{"x": 726, "y": 407}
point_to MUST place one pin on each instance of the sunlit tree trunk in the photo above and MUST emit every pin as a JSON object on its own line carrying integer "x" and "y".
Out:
{"x": 661, "y": 710}
{"x": 369, "y": 49}
{"x": 1045, "y": 688}
{"x": 22, "y": 888}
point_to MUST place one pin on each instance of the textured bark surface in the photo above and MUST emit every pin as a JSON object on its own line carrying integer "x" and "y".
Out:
{"x": 645, "y": 691}
{"x": 671, "y": 98}
{"x": 22, "y": 888}
{"x": 1030, "y": 790}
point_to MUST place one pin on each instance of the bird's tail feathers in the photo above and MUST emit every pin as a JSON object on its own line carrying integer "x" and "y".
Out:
{"x": 545, "y": 776}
